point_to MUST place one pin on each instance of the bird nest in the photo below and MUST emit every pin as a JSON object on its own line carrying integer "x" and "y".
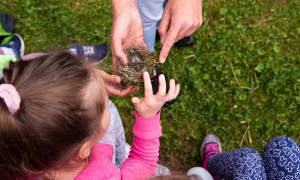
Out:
{"x": 140, "y": 59}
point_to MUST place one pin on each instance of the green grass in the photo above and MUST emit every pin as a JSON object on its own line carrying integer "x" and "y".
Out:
{"x": 241, "y": 80}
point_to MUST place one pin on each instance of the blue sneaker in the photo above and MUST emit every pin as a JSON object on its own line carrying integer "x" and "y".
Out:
{"x": 93, "y": 54}
{"x": 17, "y": 45}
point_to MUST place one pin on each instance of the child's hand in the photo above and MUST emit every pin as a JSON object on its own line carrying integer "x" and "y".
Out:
{"x": 151, "y": 104}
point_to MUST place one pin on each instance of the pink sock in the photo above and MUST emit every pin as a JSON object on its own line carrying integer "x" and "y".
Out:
{"x": 207, "y": 158}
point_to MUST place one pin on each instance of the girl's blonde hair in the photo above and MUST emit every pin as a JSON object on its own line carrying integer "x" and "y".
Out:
{"x": 54, "y": 118}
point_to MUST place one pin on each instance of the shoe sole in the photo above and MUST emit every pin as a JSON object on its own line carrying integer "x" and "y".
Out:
{"x": 99, "y": 62}
{"x": 22, "y": 45}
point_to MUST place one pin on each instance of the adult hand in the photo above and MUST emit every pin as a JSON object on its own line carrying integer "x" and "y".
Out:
{"x": 180, "y": 18}
{"x": 127, "y": 29}
{"x": 112, "y": 85}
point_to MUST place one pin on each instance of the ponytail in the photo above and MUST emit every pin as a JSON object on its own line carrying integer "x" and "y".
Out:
{"x": 11, "y": 144}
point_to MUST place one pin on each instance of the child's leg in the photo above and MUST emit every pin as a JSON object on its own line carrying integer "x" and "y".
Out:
{"x": 115, "y": 136}
{"x": 282, "y": 159}
{"x": 151, "y": 13}
{"x": 243, "y": 163}
{"x": 120, "y": 137}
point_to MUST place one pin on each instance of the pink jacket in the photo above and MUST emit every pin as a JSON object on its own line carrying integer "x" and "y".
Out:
{"x": 142, "y": 159}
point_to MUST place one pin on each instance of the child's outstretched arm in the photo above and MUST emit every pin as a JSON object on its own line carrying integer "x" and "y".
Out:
{"x": 144, "y": 152}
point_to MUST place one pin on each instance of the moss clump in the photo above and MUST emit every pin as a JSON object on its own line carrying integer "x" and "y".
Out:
{"x": 140, "y": 59}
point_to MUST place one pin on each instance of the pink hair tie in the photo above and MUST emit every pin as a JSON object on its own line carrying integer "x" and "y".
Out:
{"x": 11, "y": 97}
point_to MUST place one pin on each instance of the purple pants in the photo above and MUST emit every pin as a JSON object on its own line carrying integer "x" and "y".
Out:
{"x": 280, "y": 160}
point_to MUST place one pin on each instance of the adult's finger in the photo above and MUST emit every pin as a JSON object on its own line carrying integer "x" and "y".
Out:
{"x": 164, "y": 26}
{"x": 115, "y": 79}
{"x": 183, "y": 33}
{"x": 117, "y": 49}
{"x": 129, "y": 91}
{"x": 121, "y": 92}
{"x": 168, "y": 43}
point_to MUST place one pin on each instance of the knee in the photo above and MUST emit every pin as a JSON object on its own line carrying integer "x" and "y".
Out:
{"x": 250, "y": 154}
{"x": 248, "y": 150}
{"x": 278, "y": 139}
{"x": 281, "y": 142}
{"x": 280, "y": 154}
{"x": 280, "y": 148}
{"x": 247, "y": 157}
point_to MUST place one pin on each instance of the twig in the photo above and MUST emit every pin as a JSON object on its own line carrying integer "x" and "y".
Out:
{"x": 241, "y": 143}
{"x": 190, "y": 56}
{"x": 237, "y": 80}
{"x": 249, "y": 137}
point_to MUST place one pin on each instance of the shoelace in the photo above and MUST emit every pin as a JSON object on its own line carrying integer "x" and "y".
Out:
{"x": 211, "y": 148}
{"x": 88, "y": 50}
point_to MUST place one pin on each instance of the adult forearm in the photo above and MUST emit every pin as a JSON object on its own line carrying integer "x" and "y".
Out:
{"x": 121, "y": 5}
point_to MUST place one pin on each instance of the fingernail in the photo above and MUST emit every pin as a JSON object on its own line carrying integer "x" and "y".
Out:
{"x": 162, "y": 60}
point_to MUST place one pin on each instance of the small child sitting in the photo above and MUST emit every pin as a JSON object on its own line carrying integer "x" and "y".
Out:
{"x": 54, "y": 110}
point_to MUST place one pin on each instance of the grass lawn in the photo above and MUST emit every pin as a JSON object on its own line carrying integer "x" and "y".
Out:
{"x": 241, "y": 80}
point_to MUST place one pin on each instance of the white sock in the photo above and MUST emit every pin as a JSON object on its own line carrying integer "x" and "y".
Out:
{"x": 8, "y": 51}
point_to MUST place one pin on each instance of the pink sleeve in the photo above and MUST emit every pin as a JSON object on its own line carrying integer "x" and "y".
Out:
{"x": 143, "y": 157}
